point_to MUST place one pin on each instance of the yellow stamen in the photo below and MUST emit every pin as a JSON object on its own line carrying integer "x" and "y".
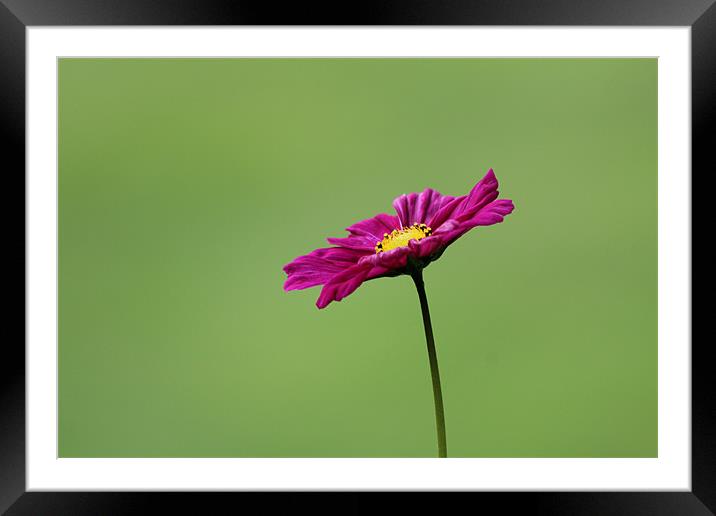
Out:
{"x": 401, "y": 237}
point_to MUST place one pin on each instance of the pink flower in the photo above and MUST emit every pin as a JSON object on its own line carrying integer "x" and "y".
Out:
{"x": 425, "y": 224}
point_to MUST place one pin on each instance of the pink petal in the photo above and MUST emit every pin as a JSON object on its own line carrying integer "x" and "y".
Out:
{"x": 483, "y": 192}
{"x": 317, "y": 267}
{"x": 451, "y": 230}
{"x": 413, "y": 207}
{"x": 465, "y": 207}
{"x": 493, "y": 213}
{"x": 427, "y": 246}
{"x": 358, "y": 243}
{"x": 366, "y": 233}
{"x": 375, "y": 227}
{"x": 346, "y": 282}
{"x": 394, "y": 259}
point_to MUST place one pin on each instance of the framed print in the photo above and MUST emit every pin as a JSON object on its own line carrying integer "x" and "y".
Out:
{"x": 506, "y": 315}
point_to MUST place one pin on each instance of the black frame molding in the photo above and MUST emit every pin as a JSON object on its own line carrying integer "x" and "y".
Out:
{"x": 17, "y": 15}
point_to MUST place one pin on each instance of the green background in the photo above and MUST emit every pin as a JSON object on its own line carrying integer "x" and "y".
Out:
{"x": 185, "y": 186}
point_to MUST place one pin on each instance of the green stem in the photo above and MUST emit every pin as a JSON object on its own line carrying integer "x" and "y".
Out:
{"x": 433, "y": 357}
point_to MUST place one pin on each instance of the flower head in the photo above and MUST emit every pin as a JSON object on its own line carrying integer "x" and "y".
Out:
{"x": 388, "y": 245}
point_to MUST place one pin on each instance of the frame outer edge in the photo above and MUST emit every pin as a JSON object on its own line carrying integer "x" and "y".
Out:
{"x": 12, "y": 149}
{"x": 12, "y": 127}
{"x": 703, "y": 108}
{"x": 371, "y": 12}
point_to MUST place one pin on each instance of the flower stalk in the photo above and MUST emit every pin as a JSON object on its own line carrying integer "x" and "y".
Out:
{"x": 417, "y": 276}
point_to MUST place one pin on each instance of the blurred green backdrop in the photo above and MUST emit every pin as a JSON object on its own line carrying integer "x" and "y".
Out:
{"x": 185, "y": 186}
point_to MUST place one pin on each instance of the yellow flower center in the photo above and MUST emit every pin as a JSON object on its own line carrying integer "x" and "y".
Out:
{"x": 401, "y": 237}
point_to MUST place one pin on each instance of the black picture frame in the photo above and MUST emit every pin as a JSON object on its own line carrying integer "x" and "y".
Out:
{"x": 17, "y": 15}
